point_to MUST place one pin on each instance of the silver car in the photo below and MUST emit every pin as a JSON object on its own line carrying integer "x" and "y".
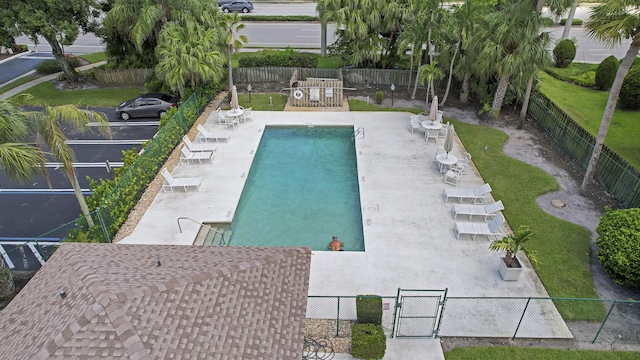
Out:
{"x": 237, "y": 6}
{"x": 147, "y": 105}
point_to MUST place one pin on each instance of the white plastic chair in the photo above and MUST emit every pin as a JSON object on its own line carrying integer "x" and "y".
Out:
{"x": 431, "y": 134}
{"x": 173, "y": 182}
{"x": 445, "y": 129}
{"x": 462, "y": 166}
{"x": 486, "y": 211}
{"x": 188, "y": 157}
{"x": 476, "y": 195}
{"x": 414, "y": 123}
{"x": 452, "y": 177}
{"x": 205, "y": 135}
{"x": 197, "y": 147}
{"x": 222, "y": 118}
{"x": 473, "y": 229}
{"x": 246, "y": 115}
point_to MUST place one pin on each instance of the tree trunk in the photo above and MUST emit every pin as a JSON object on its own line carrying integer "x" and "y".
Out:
{"x": 501, "y": 91}
{"x": 78, "y": 192}
{"x": 525, "y": 103}
{"x": 230, "y": 66}
{"x": 433, "y": 92}
{"x": 415, "y": 84}
{"x": 567, "y": 25}
{"x": 609, "y": 109}
{"x": 464, "y": 92}
{"x": 7, "y": 286}
{"x": 323, "y": 39}
{"x": 413, "y": 53}
{"x": 453, "y": 60}
{"x": 57, "y": 51}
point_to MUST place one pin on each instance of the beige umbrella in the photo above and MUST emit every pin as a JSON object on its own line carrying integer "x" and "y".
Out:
{"x": 448, "y": 141}
{"x": 433, "y": 113}
{"x": 234, "y": 98}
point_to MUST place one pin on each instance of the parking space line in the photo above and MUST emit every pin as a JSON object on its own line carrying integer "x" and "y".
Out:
{"x": 124, "y": 123}
{"x": 6, "y": 258}
{"x": 42, "y": 191}
{"x": 106, "y": 142}
{"x": 36, "y": 253}
{"x": 87, "y": 164}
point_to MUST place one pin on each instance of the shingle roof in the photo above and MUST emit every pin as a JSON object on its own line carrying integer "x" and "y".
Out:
{"x": 200, "y": 303}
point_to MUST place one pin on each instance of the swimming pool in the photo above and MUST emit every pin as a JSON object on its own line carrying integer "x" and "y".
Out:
{"x": 301, "y": 190}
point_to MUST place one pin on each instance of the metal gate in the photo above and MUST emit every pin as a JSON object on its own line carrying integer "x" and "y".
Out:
{"x": 418, "y": 313}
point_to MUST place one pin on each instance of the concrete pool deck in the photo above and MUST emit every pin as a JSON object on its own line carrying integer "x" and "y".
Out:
{"x": 408, "y": 228}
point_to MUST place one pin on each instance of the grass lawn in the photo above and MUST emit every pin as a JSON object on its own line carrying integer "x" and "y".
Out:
{"x": 586, "y": 107}
{"x": 521, "y": 353}
{"x": 16, "y": 83}
{"x": 45, "y": 93}
{"x": 261, "y": 102}
{"x": 95, "y": 57}
{"x": 359, "y": 105}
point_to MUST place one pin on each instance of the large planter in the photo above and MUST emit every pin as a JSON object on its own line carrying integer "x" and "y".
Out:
{"x": 509, "y": 273}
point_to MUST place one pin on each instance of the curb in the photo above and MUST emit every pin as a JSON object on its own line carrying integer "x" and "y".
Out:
{"x": 16, "y": 56}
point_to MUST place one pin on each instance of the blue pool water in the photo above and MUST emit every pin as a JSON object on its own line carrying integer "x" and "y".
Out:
{"x": 301, "y": 190}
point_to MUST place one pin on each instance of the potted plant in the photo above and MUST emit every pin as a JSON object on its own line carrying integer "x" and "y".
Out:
{"x": 510, "y": 267}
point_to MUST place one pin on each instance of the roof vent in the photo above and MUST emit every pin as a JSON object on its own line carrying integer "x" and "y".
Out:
{"x": 158, "y": 262}
{"x": 63, "y": 294}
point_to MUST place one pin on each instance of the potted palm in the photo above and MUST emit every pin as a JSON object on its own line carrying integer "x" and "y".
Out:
{"x": 510, "y": 267}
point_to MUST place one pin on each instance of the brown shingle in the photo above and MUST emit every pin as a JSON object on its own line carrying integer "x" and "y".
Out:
{"x": 204, "y": 302}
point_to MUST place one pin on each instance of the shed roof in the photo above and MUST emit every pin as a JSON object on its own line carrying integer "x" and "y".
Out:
{"x": 200, "y": 302}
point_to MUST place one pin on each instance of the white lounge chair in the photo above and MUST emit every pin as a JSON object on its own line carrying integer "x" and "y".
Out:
{"x": 188, "y": 157}
{"x": 205, "y": 135}
{"x": 414, "y": 123}
{"x": 476, "y": 195}
{"x": 486, "y": 211}
{"x": 473, "y": 229}
{"x": 197, "y": 147}
{"x": 185, "y": 182}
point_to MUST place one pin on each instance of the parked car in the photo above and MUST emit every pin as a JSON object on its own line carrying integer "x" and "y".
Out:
{"x": 237, "y": 6}
{"x": 147, "y": 105}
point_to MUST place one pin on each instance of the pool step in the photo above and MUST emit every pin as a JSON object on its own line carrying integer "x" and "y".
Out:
{"x": 212, "y": 236}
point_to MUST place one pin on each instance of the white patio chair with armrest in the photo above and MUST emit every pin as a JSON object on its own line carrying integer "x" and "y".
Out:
{"x": 430, "y": 134}
{"x": 198, "y": 147}
{"x": 439, "y": 150}
{"x": 476, "y": 195}
{"x": 173, "y": 182}
{"x": 414, "y": 123}
{"x": 463, "y": 165}
{"x": 233, "y": 121}
{"x": 188, "y": 157}
{"x": 445, "y": 129}
{"x": 205, "y": 135}
{"x": 486, "y": 211}
{"x": 222, "y": 117}
{"x": 246, "y": 115}
{"x": 452, "y": 177}
{"x": 473, "y": 229}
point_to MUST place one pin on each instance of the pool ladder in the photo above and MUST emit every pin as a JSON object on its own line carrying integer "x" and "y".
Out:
{"x": 223, "y": 241}
{"x": 358, "y": 131}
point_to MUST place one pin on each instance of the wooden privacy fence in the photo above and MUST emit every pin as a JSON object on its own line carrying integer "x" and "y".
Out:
{"x": 124, "y": 76}
{"x": 315, "y": 92}
{"x": 350, "y": 77}
{"x": 615, "y": 174}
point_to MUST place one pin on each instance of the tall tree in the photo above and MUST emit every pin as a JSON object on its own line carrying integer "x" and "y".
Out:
{"x": 415, "y": 35}
{"x": 367, "y": 30}
{"x": 233, "y": 40}
{"x": 49, "y": 125}
{"x": 428, "y": 74}
{"x": 188, "y": 54}
{"x": 611, "y": 22}
{"x": 58, "y": 22}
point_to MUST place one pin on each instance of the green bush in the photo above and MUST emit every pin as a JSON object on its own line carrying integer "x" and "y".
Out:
{"x": 368, "y": 341}
{"x": 369, "y": 309}
{"x": 564, "y": 53}
{"x": 630, "y": 92}
{"x": 547, "y": 22}
{"x": 574, "y": 22}
{"x": 52, "y": 66}
{"x": 606, "y": 72}
{"x": 285, "y": 58}
{"x": 379, "y": 97}
{"x": 619, "y": 245}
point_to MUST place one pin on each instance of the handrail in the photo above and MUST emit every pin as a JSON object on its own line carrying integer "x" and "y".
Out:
{"x": 223, "y": 242}
{"x": 358, "y": 131}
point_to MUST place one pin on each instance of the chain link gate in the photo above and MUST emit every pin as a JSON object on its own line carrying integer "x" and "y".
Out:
{"x": 418, "y": 313}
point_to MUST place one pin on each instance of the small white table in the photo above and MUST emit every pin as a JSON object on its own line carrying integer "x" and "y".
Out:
{"x": 446, "y": 161}
{"x": 235, "y": 112}
{"x": 431, "y": 125}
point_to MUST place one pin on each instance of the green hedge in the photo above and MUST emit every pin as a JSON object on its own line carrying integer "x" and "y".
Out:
{"x": 368, "y": 341}
{"x": 283, "y": 58}
{"x": 369, "y": 309}
{"x": 574, "y": 22}
{"x": 52, "y": 66}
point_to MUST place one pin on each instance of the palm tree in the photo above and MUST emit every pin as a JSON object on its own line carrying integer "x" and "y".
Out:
{"x": 233, "y": 40}
{"x": 415, "y": 34}
{"x": 427, "y": 74}
{"x": 188, "y": 54}
{"x": 611, "y": 22}
{"x": 49, "y": 126}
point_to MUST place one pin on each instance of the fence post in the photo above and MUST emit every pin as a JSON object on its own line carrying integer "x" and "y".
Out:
{"x": 521, "y": 317}
{"x": 338, "y": 319}
{"x": 103, "y": 225}
{"x": 442, "y": 304}
{"x": 604, "y": 321}
{"x": 395, "y": 313}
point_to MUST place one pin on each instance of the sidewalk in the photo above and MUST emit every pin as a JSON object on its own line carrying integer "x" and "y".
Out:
{"x": 18, "y": 89}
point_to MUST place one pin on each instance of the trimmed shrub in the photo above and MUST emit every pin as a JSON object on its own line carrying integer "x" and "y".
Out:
{"x": 619, "y": 245}
{"x": 630, "y": 92}
{"x": 547, "y": 21}
{"x": 379, "y": 97}
{"x": 564, "y": 53}
{"x": 284, "y": 58}
{"x": 369, "y": 309}
{"x": 574, "y": 22}
{"x": 52, "y": 66}
{"x": 368, "y": 341}
{"x": 606, "y": 72}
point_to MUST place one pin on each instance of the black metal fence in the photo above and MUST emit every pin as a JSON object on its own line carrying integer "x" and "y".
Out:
{"x": 615, "y": 174}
